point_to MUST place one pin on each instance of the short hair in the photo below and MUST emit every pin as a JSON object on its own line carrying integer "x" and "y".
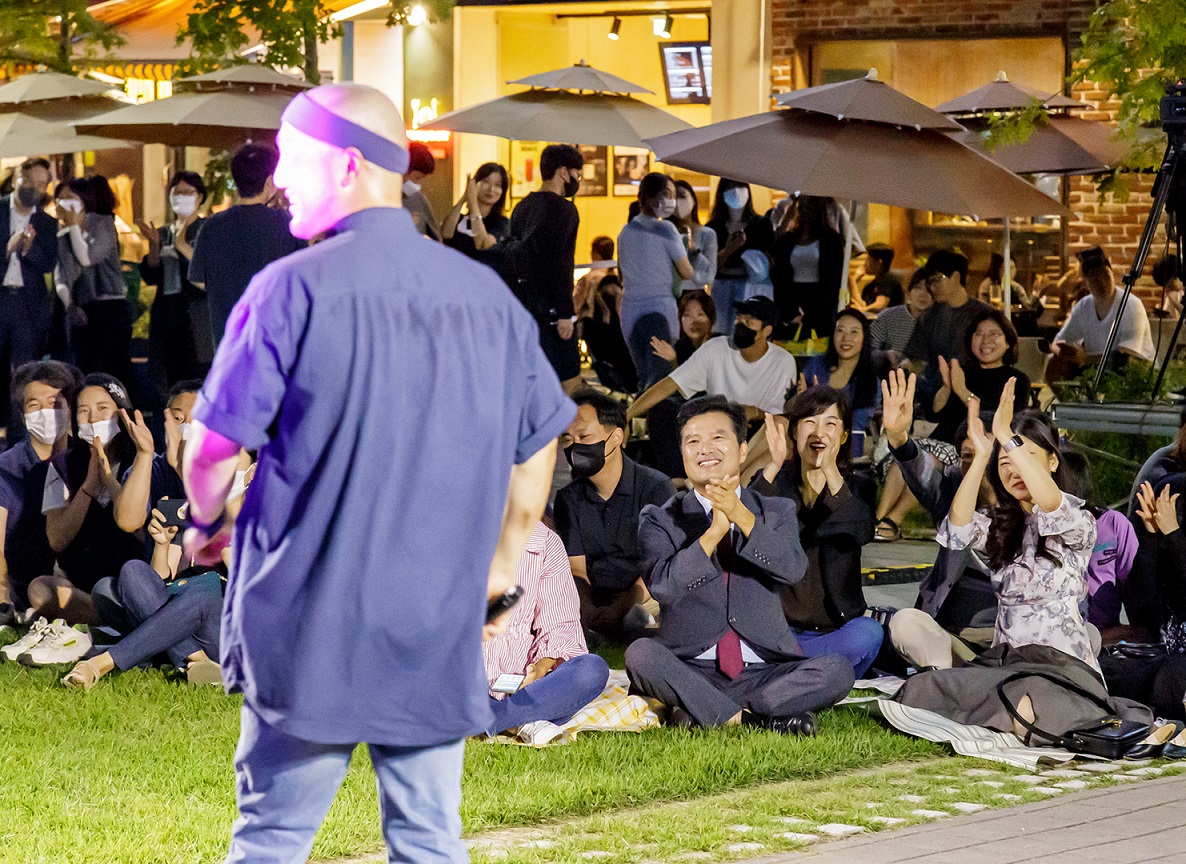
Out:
{"x": 651, "y": 187}
{"x": 251, "y": 166}
{"x": 816, "y": 400}
{"x": 702, "y": 299}
{"x": 80, "y": 187}
{"x": 484, "y": 171}
{"x": 946, "y": 262}
{"x": 603, "y": 248}
{"x": 1165, "y": 269}
{"x": 881, "y": 253}
{"x": 52, "y": 373}
{"x": 104, "y": 198}
{"x": 997, "y": 317}
{"x": 34, "y": 162}
{"x": 917, "y": 279}
{"x": 190, "y": 385}
{"x": 420, "y": 158}
{"x": 610, "y": 412}
{"x": 190, "y": 178}
{"x": 557, "y": 156}
{"x": 711, "y": 405}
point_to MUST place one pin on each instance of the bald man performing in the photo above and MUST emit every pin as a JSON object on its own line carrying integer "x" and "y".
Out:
{"x": 405, "y": 419}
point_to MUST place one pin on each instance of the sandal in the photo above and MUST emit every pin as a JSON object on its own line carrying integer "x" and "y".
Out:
{"x": 887, "y": 531}
{"x": 83, "y": 676}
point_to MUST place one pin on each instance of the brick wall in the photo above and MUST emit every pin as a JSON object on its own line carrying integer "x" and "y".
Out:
{"x": 799, "y": 23}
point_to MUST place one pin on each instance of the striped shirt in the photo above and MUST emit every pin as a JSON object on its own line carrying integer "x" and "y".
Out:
{"x": 892, "y": 329}
{"x": 547, "y": 621}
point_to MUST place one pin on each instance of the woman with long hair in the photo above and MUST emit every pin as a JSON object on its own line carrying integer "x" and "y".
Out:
{"x": 808, "y": 261}
{"x": 847, "y": 365}
{"x": 739, "y": 228}
{"x": 484, "y": 224}
{"x": 653, "y": 263}
{"x": 699, "y": 237}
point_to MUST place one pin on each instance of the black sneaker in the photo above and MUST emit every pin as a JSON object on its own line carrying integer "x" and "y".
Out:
{"x": 790, "y": 724}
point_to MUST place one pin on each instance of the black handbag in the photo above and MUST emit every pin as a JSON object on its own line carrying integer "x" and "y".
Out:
{"x": 1110, "y": 737}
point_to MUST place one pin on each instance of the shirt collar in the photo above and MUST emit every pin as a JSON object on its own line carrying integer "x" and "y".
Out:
{"x": 378, "y": 219}
{"x": 625, "y": 482}
{"x": 705, "y": 503}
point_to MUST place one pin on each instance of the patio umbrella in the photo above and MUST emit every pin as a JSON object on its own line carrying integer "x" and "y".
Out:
{"x": 251, "y": 75}
{"x": 601, "y": 113}
{"x": 816, "y": 154}
{"x": 216, "y": 118}
{"x": 22, "y": 136}
{"x": 1059, "y": 144}
{"x": 55, "y": 96}
{"x": 867, "y": 98}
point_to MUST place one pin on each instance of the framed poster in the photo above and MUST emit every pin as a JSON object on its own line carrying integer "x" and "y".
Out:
{"x": 595, "y": 174}
{"x": 631, "y": 164}
{"x": 525, "y": 177}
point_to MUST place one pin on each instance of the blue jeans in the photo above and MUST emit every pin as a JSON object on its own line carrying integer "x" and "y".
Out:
{"x": 858, "y": 642}
{"x": 726, "y": 292}
{"x": 285, "y": 785}
{"x": 556, "y": 697}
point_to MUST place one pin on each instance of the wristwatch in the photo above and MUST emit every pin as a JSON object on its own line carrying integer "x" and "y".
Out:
{"x": 1012, "y": 444}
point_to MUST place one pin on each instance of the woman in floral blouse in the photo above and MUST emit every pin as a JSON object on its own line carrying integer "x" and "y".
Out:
{"x": 1037, "y": 540}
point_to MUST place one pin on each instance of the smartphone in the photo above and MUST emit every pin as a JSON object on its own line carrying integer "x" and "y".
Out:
{"x": 175, "y": 511}
{"x": 503, "y": 603}
{"x": 858, "y": 445}
{"x": 507, "y": 682}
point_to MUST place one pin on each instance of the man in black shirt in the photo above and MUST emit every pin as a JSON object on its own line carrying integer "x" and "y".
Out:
{"x": 597, "y": 516}
{"x": 236, "y": 244}
{"x": 884, "y": 289}
{"x": 542, "y": 250}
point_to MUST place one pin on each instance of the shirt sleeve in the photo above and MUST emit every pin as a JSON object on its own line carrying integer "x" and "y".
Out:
{"x": 248, "y": 381}
{"x": 1126, "y": 543}
{"x": 1072, "y": 524}
{"x": 691, "y": 376}
{"x": 674, "y": 242}
{"x": 557, "y": 624}
{"x": 197, "y": 263}
{"x": 546, "y": 410}
{"x": 973, "y": 535}
{"x": 1071, "y": 331}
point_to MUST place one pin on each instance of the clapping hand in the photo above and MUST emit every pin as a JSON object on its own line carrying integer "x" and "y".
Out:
{"x": 723, "y": 495}
{"x": 981, "y": 440}
{"x": 662, "y": 349}
{"x": 565, "y": 328}
{"x": 1158, "y": 513}
{"x": 139, "y": 432}
{"x": 897, "y": 406}
{"x": 1002, "y": 421}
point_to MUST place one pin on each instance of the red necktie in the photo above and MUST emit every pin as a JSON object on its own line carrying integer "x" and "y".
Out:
{"x": 729, "y": 647}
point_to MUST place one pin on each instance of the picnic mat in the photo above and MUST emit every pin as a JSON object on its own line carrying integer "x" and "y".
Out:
{"x": 976, "y": 741}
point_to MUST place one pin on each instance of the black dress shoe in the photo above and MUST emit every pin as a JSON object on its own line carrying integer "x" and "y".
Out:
{"x": 680, "y": 719}
{"x": 1155, "y": 744}
{"x": 790, "y": 724}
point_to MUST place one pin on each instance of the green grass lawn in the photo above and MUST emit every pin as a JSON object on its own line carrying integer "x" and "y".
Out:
{"x": 139, "y": 770}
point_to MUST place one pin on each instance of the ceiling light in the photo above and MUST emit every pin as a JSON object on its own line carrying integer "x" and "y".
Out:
{"x": 614, "y": 28}
{"x": 657, "y": 26}
{"x": 417, "y": 15}
{"x": 666, "y": 31}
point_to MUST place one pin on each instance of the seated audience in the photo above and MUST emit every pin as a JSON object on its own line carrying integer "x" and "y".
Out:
{"x": 1166, "y": 277}
{"x": 544, "y": 644}
{"x": 990, "y": 347}
{"x": 45, "y": 390}
{"x": 1161, "y": 463}
{"x": 602, "y": 332}
{"x": 826, "y": 608}
{"x": 697, "y": 315}
{"x": 883, "y": 289}
{"x": 717, "y": 558}
{"x": 484, "y": 224}
{"x": 585, "y": 290}
{"x": 80, "y": 499}
{"x": 1084, "y": 336}
{"x": 891, "y": 331}
{"x": 940, "y": 330}
{"x": 847, "y": 365}
{"x": 597, "y": 517}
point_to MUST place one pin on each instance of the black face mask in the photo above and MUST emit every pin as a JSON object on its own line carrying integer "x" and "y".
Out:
{"x": 585, "y": 459}
{"x": 743, "y": 337}
{"x": 28, "y": 196}
{"x": 571, "y": 186}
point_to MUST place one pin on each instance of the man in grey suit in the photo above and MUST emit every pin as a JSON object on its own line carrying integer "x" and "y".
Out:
{"x": 716, "y": 559}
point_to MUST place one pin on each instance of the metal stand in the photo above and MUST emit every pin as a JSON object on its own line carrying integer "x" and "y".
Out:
{"x": 1165, "y": 364}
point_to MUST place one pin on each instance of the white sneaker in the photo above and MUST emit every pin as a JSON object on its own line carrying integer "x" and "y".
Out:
{"x": 61, "y": 644}
{"x": 36, "y": 633}
{"x": 539, "y": 733}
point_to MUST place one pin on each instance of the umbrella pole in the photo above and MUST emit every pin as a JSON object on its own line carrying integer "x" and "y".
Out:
{"x": 1007, "y": 275}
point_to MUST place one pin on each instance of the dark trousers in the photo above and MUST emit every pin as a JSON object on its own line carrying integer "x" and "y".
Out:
{"x": 712, "y": 698}
{"x": 22, "y": 338}
{"x": 171, "y": 353}
{"x": 651, "y": 368}
{"x": 105, "y": 343}
{"x": 138, "y": 605}
{"x": 556, "y": 697}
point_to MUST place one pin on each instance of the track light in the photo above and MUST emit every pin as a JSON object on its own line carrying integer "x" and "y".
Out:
{"x": 666, "y": 31}
{"x": 417, "y": 15}
{"x": 613, "y": 30}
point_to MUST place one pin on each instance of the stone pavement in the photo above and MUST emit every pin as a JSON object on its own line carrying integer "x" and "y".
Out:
{"x": 1141, "y": 822}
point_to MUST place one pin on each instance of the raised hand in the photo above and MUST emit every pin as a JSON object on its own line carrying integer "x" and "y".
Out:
{"x": 944, "y": 371}
{"x": 775, "y": 427}
{"x": 663, "y": 349}
{"x": 1148, "y": 507}
{"x": 897, "y": 406}
{"x": 1002, "y": 421}
{"x": 724, "y": 498}
{"x": 959, "y": 383}
{"x": 141, "y": 434}
{"x": 1167, "y": 511}
{"x": 981, "y": 440}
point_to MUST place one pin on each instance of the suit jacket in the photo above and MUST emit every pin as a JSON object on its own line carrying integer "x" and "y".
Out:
{"x": 697, "y": 609}
{"x": 40, "y": 261}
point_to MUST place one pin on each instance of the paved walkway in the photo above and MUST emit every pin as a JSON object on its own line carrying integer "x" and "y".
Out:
{"x": 1142, "y": 822}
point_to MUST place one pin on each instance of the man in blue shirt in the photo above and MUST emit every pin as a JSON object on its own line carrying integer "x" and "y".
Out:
{"x": 371, "y": 371}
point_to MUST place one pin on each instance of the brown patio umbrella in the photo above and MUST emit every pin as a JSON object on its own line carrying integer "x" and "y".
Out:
{"x": 867, "y": 98}
{"x": 1003, "y": 95}
{"x": 815, "y": 154}
{"x": 221, "y": 118}
{"x": 22, "y": 136}
{"x": 601, "y": 113}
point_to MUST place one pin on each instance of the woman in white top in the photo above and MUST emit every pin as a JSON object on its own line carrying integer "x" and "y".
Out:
{"x": 806, "y": 274}
{"x": 698, "y": 237}
{"x": 1037, "y": 540}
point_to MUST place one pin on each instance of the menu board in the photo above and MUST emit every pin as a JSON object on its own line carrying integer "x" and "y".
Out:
{"x": 687, "y": 72}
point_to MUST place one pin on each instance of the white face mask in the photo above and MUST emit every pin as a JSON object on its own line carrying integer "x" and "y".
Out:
{"x": 736, "y": 198}
{"x": 183, "y": 205}
{"x": 48, "y": 424}
{"x": 70, "y": 205}
{"x": 665, "y": 208}
{"x": 103, "y": 431}
{"x": 683, "y": 207}
{"x": 238, "y": 487}
{"x": 185, "y": 430}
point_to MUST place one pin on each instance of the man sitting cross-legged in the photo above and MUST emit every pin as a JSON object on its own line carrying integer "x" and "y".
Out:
{"x": 718, "y": 557}
{"x": 544, "y": 644}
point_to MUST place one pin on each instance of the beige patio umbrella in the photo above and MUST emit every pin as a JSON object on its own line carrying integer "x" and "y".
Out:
{"x": 600, "y": 112}
{"x": 22, "y": 136}
{"x": 867, "y": 98}
{"x": 55, "y": 96}
{"x": 249, "y": 75}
